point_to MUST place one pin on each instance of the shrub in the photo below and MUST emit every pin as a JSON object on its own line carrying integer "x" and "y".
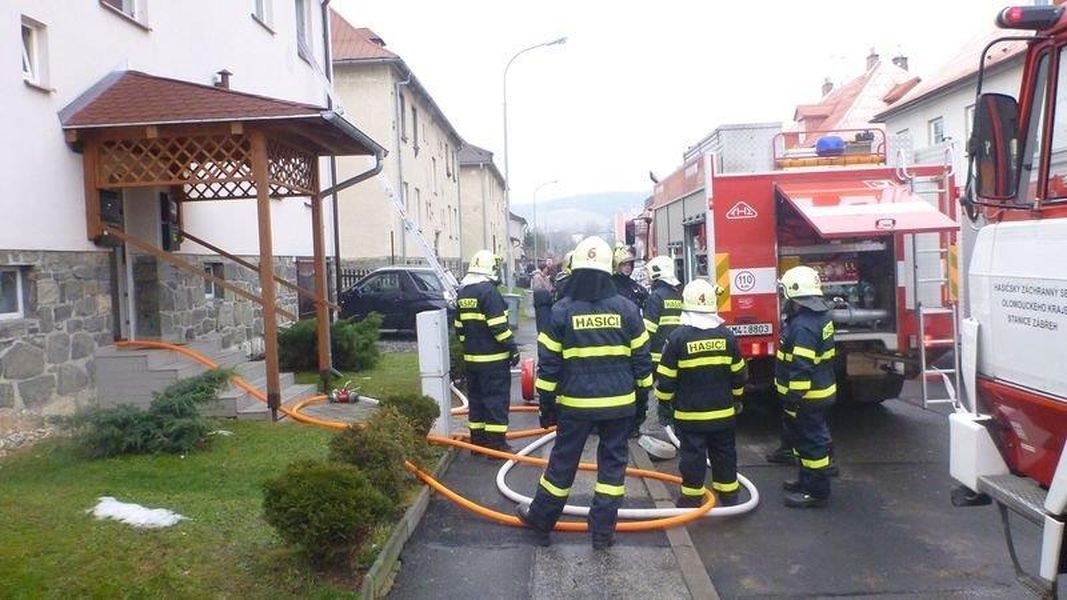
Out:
{"x": 353, "y": 344}
{"x": 328, "y": 509}
{"x": 421, "y": 410}
{"x": 171, "y": 424}
{"x": 379, "y": 449}
{"x": 457, "y": 368}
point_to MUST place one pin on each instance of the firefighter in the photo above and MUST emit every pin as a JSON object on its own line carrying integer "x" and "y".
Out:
{"x": 489, "y": 351}
{"x": 592, "y": 358}
{"x": 563, "y": 278}
{"x": 662, "y": 314}
{"x": 699, "y": 381}
{"x": 806, "y": 385}
{"x": 624, "y": 283}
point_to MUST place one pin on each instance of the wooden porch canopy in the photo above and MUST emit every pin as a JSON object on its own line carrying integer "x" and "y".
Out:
{"x": 209, "y": 143}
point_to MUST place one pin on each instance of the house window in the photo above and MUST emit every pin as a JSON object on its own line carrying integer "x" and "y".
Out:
{"x": 403, "y": 119}
{"x": 936, "y": 129}
{"x": 211, "y": 288}
{"x": 418, "y": 204}
{"x": 12, "y": 298}
{"x": 433, "y": 174}
{"x": 263, "y": 12}
{"x": 415, "y": 128}
{"x": 134, "y": 10}
{"x": 34, "y": 53}
{"x": 303, "y": 29}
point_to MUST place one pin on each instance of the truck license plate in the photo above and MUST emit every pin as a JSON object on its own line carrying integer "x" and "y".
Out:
{"x": 751, "y": 329}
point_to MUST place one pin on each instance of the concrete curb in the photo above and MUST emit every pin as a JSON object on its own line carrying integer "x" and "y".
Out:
{"x": 694, "y": 573}
{"x": 379, "y": 577}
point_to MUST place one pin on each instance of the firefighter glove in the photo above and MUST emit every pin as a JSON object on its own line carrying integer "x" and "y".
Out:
{"x": 515, "y": 357}
{"x": 665, "y": 413}
{"x": 547, "y": 414}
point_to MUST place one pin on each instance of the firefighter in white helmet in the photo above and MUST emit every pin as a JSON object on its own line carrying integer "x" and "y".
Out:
{"x": 662, "y": 313}
{"x": 592, "y": 358}
{"x": 489, "y": 351}
{"x": 806, "y": 384}
{"x": 699, "y": 382}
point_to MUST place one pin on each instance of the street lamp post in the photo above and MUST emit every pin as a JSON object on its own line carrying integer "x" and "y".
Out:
{"x": 537, "y": 228}
{"x": 507, "y": 173}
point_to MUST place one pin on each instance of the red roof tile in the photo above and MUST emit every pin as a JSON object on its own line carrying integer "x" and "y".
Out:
{"x": 135, "y": 98}
{"x": 351, "y": 43}
{"x": 853, "y": 105}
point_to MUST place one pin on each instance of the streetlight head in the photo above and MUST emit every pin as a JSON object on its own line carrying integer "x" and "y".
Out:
{"x": 562, "y": 40}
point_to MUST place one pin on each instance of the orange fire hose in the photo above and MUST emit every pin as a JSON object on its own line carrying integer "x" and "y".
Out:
{"x": 295, "y": 413}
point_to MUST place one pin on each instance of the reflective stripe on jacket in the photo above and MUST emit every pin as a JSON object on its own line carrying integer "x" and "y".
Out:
{"x": 592, "y": 357}
{"x": 663, "y": 314}
{"x": 482, "y": 325}
{"x": 702, "y": 374}
{"x": 804, "y": 365}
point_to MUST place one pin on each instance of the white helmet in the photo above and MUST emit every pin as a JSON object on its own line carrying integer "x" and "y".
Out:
{"x": 800, "y": 281}
{"x": 483, "y": 263}
{"x": 661, "y": 268}
{"x": 701, "y": 296}
{"x": 592, "y": 253}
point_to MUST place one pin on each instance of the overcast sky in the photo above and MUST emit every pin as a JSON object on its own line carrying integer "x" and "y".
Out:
{"x": 633, "y": 88}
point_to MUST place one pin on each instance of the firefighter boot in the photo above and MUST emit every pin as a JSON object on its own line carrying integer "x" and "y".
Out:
{"x": 804, "y": 500}
{"x": 540, "y": 536}
{"x": 792, "y": 486}
{"x": 478, "y": 439}
{"x": 689, "y": 501}
{"x": 603, "y": 541}
{"x": 497, "y": 441}
{"x": 728, "y": 499}
{"x": 781, "y": 456}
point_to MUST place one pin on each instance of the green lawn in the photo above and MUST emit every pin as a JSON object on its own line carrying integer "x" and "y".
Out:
{"x": 51, "y": 548}
{"x": 395, "y": 373}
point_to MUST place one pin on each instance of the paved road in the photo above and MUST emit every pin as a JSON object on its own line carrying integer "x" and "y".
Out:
{"x": 890, "y": 531}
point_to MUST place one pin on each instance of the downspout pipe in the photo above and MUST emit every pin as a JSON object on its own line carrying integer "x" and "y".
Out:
{"x": 400, "y": 160}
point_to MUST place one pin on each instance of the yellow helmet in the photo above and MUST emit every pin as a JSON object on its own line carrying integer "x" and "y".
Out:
{"x": 700, "y": 295}
{"x": 483, "y": 263}
{"x": 592, "y": 253}
{"x": 622, "y": 256}
{"x": 800, "y": 282}
{"x": 661, "y": 268}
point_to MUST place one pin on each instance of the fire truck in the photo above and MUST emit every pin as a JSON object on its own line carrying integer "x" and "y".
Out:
{"x": 882, "y": 237}
{"x": 1008, "y": 431}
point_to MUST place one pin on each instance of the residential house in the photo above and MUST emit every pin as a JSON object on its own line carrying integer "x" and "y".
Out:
{"x": 935, "y": 117}
{"x": 482, "y": 198}
{"x": 517, "y": 230}
{"x": 133, "y": 127}
{"x": 421, "y": 171}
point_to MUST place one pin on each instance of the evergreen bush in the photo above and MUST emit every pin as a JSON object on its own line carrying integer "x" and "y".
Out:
{"x": 353, "y": 344}
{"x": 421, "y": 410}
{"x": 379, "y": 449}
{"x": 328, "y": 509}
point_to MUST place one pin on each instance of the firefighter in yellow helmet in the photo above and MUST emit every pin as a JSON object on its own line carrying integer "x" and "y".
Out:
{"x": 699, "y": 382}
{"x": 489, "y": 351}
{"x": 806, "y": 384}
{"x": 592, "y": 358}
{"x": 564, "y": 276}
{"x": 624, "y": 283}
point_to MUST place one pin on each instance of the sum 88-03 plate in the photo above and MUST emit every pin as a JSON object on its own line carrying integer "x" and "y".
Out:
{"x": 747, "y": 329}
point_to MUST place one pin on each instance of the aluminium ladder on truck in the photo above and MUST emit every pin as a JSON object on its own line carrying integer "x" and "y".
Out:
{"x": 933, "y": 293}
{"x": 443, "y": 273}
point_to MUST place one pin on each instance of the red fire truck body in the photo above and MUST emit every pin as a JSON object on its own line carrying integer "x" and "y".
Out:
{"x": 848, "y": 215}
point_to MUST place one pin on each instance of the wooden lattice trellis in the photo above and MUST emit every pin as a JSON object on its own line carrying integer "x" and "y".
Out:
{"x": 208, "y": 167}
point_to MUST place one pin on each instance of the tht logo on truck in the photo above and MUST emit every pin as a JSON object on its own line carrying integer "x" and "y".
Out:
{"x": 741, "y": 210}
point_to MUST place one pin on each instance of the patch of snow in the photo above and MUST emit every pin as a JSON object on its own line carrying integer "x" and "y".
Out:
{"x": 134, "y": 514}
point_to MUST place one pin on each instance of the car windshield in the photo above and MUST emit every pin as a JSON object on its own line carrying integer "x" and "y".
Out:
{"x": 426, "y": 282}
{"x": 382, "y": 282}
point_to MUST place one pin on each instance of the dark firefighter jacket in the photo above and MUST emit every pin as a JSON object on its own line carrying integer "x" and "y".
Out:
{"x": 562, "y": 285}
{"x": 663, "y": 313}
{"x": 702, "y": 374}
{"x": 482, "y": 326}
{"x": 804, "y": 369}
{"x": 592, "y": 357}
{"x": 630, "y": 289}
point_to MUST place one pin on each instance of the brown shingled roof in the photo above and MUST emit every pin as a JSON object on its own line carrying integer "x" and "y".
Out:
{"x": 135, "y": 98}
{"x": 853, "y": 105}
{"x": 355, "y": 43}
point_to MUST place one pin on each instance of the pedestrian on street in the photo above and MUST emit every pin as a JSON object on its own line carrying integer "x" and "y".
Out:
{"x": 489, "y": 351}
{"x": 806, "y": 384}
{"x": 542, "y": 287}
{"x": 662, "y": 314}
{"x": 699, "y": 382}
{"x": 592, "y": 358}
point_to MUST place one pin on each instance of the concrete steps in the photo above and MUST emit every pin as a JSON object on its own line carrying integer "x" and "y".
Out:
{"x": 131, "y": 376}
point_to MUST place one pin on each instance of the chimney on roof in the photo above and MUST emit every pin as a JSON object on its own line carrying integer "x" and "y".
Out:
{"x": 222, "y": 79}
{"x": 827, "y": 86}
{"x": 872, "y": 59}
{"x": 901, "y": 61}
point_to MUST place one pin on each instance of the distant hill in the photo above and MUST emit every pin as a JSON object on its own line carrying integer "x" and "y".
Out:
{"x": 577, "y": 214}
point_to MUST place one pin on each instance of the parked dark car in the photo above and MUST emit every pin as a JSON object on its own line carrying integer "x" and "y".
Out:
{"x": 398, "y": 294}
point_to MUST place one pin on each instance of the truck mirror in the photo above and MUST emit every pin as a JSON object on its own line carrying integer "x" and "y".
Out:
{"x": 993, "y": 146}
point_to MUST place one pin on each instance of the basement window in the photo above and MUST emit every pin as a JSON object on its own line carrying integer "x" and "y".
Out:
{"x": 12, "y": 293}
{"x": 213, "y": 290}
